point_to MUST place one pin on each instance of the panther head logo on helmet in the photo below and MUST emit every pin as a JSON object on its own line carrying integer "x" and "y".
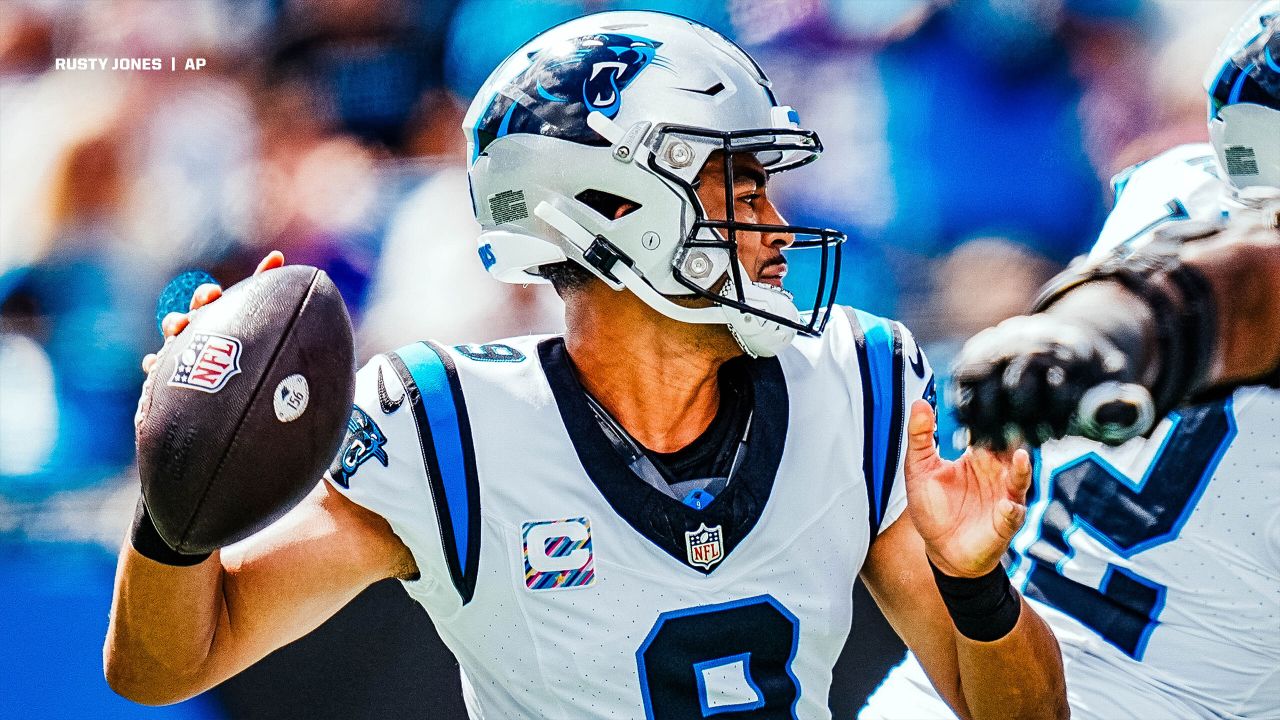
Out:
{"x": 577, "y": 77}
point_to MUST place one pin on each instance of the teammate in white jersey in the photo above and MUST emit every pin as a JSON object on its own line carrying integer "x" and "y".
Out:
{"x": 1156, "y": 562}
{"x": 662, "y": 513}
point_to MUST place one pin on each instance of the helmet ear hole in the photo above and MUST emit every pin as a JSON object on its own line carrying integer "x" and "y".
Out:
{"x": 608, "y": 205}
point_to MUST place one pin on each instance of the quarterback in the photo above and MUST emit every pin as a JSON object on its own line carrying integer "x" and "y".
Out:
{"x": 662, "y": 513}
{"x": 1157, "y": 561}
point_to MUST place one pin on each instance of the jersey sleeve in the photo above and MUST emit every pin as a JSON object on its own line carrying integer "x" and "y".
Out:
{"x": 407, "y": 456}
{"x": 894, "y": 374}
{"x": 1180, "y": 184}
{"x": 918, "y": 384}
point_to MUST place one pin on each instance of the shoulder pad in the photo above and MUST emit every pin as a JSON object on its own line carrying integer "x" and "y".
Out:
{"x": 882, "y": 366}
{"x": 434, "y": 394}
{"x": 1177, "y": 185}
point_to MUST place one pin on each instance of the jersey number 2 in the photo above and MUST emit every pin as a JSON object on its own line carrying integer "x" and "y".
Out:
{"x": 733, "y": 658}
{"x": 1127, "y": 517}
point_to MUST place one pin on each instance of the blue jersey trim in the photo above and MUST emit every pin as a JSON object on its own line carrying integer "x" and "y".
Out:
{"x": 1234, "y": 97}
{"x": 444, "y": 429}
{"x": 880, "y": 361}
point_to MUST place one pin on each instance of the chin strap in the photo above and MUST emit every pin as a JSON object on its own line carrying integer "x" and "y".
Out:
{"x": 757, "y": 336}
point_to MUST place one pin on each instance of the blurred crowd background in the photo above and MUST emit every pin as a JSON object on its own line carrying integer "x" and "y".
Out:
{"x": 969, "y": 146}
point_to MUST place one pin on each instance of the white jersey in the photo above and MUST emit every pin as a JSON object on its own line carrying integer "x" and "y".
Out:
{"x": 1156, "y": 563}
{"x": 568, "y": 587}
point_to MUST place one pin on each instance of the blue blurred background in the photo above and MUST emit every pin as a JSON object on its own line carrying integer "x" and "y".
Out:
{"x": 969, "y": 145}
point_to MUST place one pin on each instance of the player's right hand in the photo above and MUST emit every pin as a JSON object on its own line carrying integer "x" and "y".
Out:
{"x": 1023, "y": 380}
{"x": 175, "y": 322}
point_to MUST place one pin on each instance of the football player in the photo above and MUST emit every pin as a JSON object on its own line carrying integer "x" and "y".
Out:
{"x": 661, "y": 513}
{"x": 1157, "y": 562}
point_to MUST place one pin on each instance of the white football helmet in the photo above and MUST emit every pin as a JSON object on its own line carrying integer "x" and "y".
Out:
{"x": 1243, "y": 83}
{"x": 629, "y": 106}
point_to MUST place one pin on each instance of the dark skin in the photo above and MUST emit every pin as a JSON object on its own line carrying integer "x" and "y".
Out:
{"x": 1242, "y": 264}
{"x": 1101, "y": 327}
{"x": 658, "y": 377}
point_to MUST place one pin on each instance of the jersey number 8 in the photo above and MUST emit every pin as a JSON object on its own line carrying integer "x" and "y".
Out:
{"x": 732, "y": 658}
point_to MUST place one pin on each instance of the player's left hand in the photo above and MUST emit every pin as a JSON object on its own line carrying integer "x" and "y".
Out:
{"x": 966, "y": 511}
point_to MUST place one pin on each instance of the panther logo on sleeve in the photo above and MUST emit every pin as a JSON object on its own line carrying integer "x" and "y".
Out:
{"x": 364, "y": 440}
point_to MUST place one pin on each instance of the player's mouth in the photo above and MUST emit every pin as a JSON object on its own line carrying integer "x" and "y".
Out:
{"x": 773, "y": 271}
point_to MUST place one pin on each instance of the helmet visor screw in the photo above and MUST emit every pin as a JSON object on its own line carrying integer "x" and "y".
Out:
{"x": 679, "y": 154}
{"x": 699, "y": 265}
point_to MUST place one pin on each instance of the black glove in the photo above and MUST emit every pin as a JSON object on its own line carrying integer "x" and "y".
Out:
{"x": 1024, "y": 380}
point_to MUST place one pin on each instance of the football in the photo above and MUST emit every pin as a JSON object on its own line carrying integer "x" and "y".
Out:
{"x": 245, "y": 408}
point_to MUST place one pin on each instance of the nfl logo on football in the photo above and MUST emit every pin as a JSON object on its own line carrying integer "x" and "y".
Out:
{"x": 704, "y": 546}
{"x": 207, "y": 363}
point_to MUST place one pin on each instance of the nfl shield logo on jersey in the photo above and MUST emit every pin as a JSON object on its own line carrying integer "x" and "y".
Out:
{"x": 207, "y": 363}
{"x": 704, "y": 546}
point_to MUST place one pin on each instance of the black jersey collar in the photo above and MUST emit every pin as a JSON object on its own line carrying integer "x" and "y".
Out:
{"x": 663, "y": 520}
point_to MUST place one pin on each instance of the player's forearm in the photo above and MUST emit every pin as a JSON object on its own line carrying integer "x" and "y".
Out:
{"x": 162, "y": 626}
{"x": 1245, "y": 277}
{"x": 177, "y": 631}
{"x": 1016, "y": 676}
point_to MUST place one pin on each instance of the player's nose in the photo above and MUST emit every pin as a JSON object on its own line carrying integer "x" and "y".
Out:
{"x": 777, "y": 239}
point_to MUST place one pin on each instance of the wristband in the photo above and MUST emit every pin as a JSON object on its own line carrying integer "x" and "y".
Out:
{"x": 145, "y": 539}
{"x": 983, "y": 608}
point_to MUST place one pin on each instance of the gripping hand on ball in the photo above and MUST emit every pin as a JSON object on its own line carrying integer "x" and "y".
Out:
{"x": 176, "y": 322}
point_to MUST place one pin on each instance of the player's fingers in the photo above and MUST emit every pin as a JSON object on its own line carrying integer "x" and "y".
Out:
{"x": 922, "y": 454}
{"x": 1021, "y": 383}
{"x": 1020, "y": 474}
{"x": 992, "y": 472}
{"x": 174, "y": 323}
{"x": 984, "y": 465}
{"x": 148, "y": 362}
{"x": 1023, "y": 387}
{"x": 274, "y": 259}
{"x": 205, "y": 294}
{"x": 1009, "y": 517}
{"x": 984, "y": 411}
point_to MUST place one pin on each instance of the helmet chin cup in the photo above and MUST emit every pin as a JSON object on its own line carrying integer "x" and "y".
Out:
{"x": 758, "y": 336}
